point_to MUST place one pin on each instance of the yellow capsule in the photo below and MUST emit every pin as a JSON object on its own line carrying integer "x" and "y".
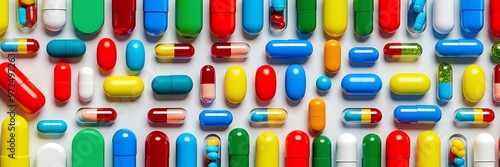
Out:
{"x": 428, "y": 149}
{"x": 4, "y": 15}
{"x": 235, "y": 84}
{"x": 410, "y": 84}
{"x": 473, "y": 83}
{"x": 15, "y": 142}
{"x": 267, "y": 150}
{"x": 334, "y": 17}
{"x": 317, "y": 115}
{"x": 123, "y": 86}
{"x": 332, "y": 56}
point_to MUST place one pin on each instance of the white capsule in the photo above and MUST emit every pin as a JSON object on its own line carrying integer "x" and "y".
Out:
{"x": 347, "y": 150}
{"x": 444, "y": 16}
{"x": 51, "y": 154}
{"x": 484, "y": 151}
{"x": 54, "y": 14}
{"x": 86, "y": 84}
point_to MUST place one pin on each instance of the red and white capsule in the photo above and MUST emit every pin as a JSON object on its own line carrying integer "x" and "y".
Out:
{"x": 62, "y": 82}
{"x": 207, "y": 84}
{"x": 96, "y": 115}
{"x": 230, "y": 50}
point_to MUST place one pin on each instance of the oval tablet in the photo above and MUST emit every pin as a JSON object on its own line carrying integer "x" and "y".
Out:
{"x": 265, "y": 83}
{"x": 84, "y": 21}
{"x": 332, "y": 57}
{"x": 52, "y": 127}
{"x": 51, "y": 154}
{"x": 123, "y": 86}
{"x": 361, "y": 84}
{"x": 417, "y": 114}
{"x": 62, "y": 82}
{"x": 215, "y": 118}
{"x": 235, "y": 84}
{"x": 135, "y": 56}
{"x": 86, "y": 84}
{"x": 295, "y": 82}
{"x": 66, "y": 48}
{"x": 410, "y": 84}
{"x": 363, "y": 55}
{"x": 54, "y": 14}
{"x": 106, "y": 54}
{"x": 317, "y": 115}
{"x": 459, "y": 48}
{"x": 172, "y": 84}
{"x": 473, "y": 83}
{"x": 289, "y": 49}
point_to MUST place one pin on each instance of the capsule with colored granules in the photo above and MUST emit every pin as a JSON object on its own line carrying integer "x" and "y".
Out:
{"x": 174, "y": 51}
{"x": 361, "y": 116}
{"x": 445, "y": 82}
{"x": 403, "y": 50}
{"x": 474, "y": 116}
{"x": 495, "y": 51}
{"x": 20, "y": 46}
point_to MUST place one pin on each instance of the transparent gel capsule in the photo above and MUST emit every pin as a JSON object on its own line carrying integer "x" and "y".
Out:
{"x": 212, "y": 151}
{"x": 268, "y": 116}
{"x": 474, "y": 116}
{"x": 445, "y": 82}
{"x": 457, "y": 154}
{"x": 402, "y": 50}
{"x": 278, "y": 15}
{"x": 96, "y": 115}
{"x": 416, "y": 21}
{"x": 20, "y": 46}
{"x": 361, "y": 116}
{"x": 26, "y": 14}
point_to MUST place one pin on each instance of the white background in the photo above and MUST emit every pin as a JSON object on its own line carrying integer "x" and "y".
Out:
{"x": 133, "y": 114}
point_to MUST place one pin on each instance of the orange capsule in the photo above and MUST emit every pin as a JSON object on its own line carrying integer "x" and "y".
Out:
{"x": 332, "y": 56}
{"x": 317, "y": 115}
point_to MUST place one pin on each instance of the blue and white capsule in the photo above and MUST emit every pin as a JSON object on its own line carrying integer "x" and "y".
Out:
{"x": 445, "y": 82}
{"x": 417, "y": 114}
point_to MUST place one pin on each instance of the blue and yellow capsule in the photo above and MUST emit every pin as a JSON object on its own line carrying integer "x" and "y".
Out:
{"x": 361, "y": 116}
{"x": 445, "y": 82}
{"x": 269, "y": 116}
{"x": 474, "y": 116}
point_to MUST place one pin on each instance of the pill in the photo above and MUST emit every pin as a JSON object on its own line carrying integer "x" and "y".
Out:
{"x": 29, "y": 98}
{"x": 66, "y": 48}
{"x": 416, "y": 20}
{"x": 372, "y": 149}
{"x": 106, "y": 54}
{"x": 496, "y": 83}
{"x": 361, "y": 84}
{"x": 54, "y": 14}
{"x": 295, "y": 82}
{"x": 268, "y": 116}
{"x": 474, "y": 116}
{"x": 211, "y": 149}
{"x": 135, "y": 56}
{"x": 20, "y": 46}
{"x": 410, "y": 84}
{"x": 332, "y": 56}
{"x": 363, "y": 55}
{"x": 239, "y": 147}
{"x": 62, "y": 82}
{"x": 253, "y": 16}
{"x": 212, "y": 142}
{"x": 289, "y": 49}
{"x": 207, "y": 84}
{"x": 459, "y": 48}
{"x": 265, "y": 83}
{"x": 21, "y": 17}
{"x": 51, "y": 154}
{"x": 215, "y": 118}
{"x": 235, "y": 84}
{"x": 123, "y": 16}
{"x": 445, "y": 82}
{"x": 157, "y": 149}
{"x": 363, "y": 17}
{"x": 420, "y": 114}
{"x": 87, "y": 149}
{"x": 96, "y": 115}
{"x": 172, "y": 84}
{"x": 212, "y": 158}
{"x": 31, "y": 15}
{"x": 26, "y": 14}
{"x": 306, "y": 16}
{"x": 402, "y": 50}
{"x": 471, "y": 16}
{"x": 361, "y": 116}
{"x": 428, "y": 149}
{"x": 494, "y": 15}
{"x": 317, "y": 115}
{"x": 15, "y": 138}
{"x": 155, "y": 17}
{"x": 420, "y": 22}
{"x": 335, "y": 17}
{"x": 167, "y": 115}
{"x": 267, "y": 150}
{"x": 323, "y": 83}
{"x": 4, "y": 16}
{"x": 123, "y": 86}
{"x": 51, "y": 127}
{"x": 495, "y": 51}
{"x": 444, "y": 16}
{"x": 397, "y": 149}
{"x": 473, "y": 83}
{"x": 186, "y": 150}
{"x": 297, "y": 151}
{"x": 212, "y": 164}
{"x": 188, "y": 17}
{"x": 418, "y": 5}
{"x": 457, "y": 144}
{"x": 86, "y": 84}
{"x": 88, "y": 22}
{"x": 322, "y": 151}
{"x": 124, "y": 148}
{"x": 484, "y": 150}
{"x": 230, "y": 50}
{"x": 389, "y": 15}
{"x": 278, "y": 9}
{"x": 222, "y": 17}
{"x": 347, "y": 146}
{"x": 174, "y": 51}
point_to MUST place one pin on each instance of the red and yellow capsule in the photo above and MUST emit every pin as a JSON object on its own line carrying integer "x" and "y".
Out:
{"x": 474, "y": 116}
{"x": 20, "y": 46}
{"x": 174, "y": 51}
{"x": 361, "y": 116}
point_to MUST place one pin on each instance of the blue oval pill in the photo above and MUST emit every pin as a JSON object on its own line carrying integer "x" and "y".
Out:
{"x": 155, "y": 16}
{"x": 253, "y": 16}
{"x": 278, "y": 5}
{"x": 289, "y": 49}
{"x": 363, "y": 55}
{"x": 66, "y": 48}
{"x": 458, "y": 161}
{"x": 124, "y": 148}
{"x": 212, "y": 156}
{"x": 135, "y": 55}
{"x": 55, "y": 127}
{"x": 295, "y": 82}
{"x": 419, "y": 23}
{"x": 215, "y": 118}
{"x": 212, "y": 164}
{"x": 212, "y": 149}
{"x": 186, "y": 151}
{"x": 361, "y": 84}
{"x": 459, "y": 48}
{"x": 22, "y": 17}
{"x": 172, "y": 84}
{"x": 417, "y": 114}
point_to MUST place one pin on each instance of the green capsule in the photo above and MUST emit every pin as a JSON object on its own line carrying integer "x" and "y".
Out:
{"x": 322, "y": 152}
{"x": 372, "y": 147}
{"x": 402, "y": 50}
{"x": 239, "y": 148}
{"x": 306, "y": 16}
{"x": 495, "y": 51}
{"x": 363, "y": 17}
{"x": 87, "y": 149}
{"x": 188, "y": 17}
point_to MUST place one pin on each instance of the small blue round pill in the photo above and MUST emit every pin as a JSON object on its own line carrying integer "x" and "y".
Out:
{"x": 212, "y": 156}
{"x": 323, "y": 83}
{"x": 212, "y": 149}
{"x": 212, "y": 164}
{"x": 458, "y": 161}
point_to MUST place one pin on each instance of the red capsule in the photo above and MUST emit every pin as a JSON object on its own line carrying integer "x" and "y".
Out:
{"x": 280, "y": 25}
{"x": 62, "y": 82}
{"x": 389, "y": 15}
{"x": 96, "y": 115}
{"x": 496, "y": 83}
{"x": 17, "y": 86}
{"x": 207, "y": 84}
{"x": 230, "y": 50}
{"x": 397, "y": 152}
{"x": 297, "y": 150}
{"x": 106, "y": 54}
{"x": 265, "y": 83}
{"x": 31, "y": 15}
{"x": 494, "y": 17}
{"x": 123, "y": 16}
{"x": 157, "y": 149}
{"x": 167, "y": 115}
{"x": 276, "y": 18}
{"x": 222, "y": 17}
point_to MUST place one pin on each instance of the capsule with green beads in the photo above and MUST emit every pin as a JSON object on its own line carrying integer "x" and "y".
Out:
{"x": 363, "y": 17}
{"x": 402, "y": 50}
{"x": 445, "y": 82}
{"x": 495, "y": 51}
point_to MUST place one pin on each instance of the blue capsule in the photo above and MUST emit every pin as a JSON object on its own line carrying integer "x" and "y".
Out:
{"x": 22, "y": 17}
{"x": 186, "y": 150}
{"x": 418, "y": 5}
{"x": 135, "y": 56}
{"x": 419, "y": 23}
{"x": 295, "y": 82}
{"x": 52, "y": 127}
{"x": 459, "y": 48}
{"x": 253, "y": 16}
{"x": 361, "y": 84}
{"x": 212, "y": 149}
{"x": 215, "y": 118}
{"x": 212, "y": 156}
{"x": 155, "y": 16}
{"x": 417, "y": 114}
{"x": 289, "y": 49}
{"x": 124, "y": 148}
{"x": 363, "y": 54}
{"x": 472, "y": 17}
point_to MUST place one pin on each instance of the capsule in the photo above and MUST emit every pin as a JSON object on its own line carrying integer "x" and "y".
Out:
{"x": 123, "y": 16}
{"x": 172, "y": 84}
{"x": 410, "y": 84}
{"x": 474, "y": 116}
{"x": 361, "y": 116}
{"x": 26, "y": 94}
{"x": 416, "y": 21}
{"x": 20, "y": 46}
{"x": 372, "y": 151}
{"x": 268, "y": 116}
{"x": 123, "y": 86}
{"x": 235, "y": 84}
{"x": 295, "y": 82}
{"x": 51, "y": 154}
{"x": 207, "y": 84}
{"x": 66, "y": 48}
{"x": 459, "y": 48}
{"x": 54, "y": 14}
{"x": 188, "y": 17}
{"x": 167, "y": 115}
{"x": 457, "y": 144}
{"x": 87, "y": 149}
{"x": 86, "y": 84}
{"x": 106, "y": 55}
{"x": 157, "y": 149}
{"x": 212, "y": 153}
{"x": 252, "y": 16}
{"x": 291, "y": 49}
{"x": 135, "y": 56}
{"x": 428, "y": 149}
{"x": 15, "y": 141}
{"x": 174, "y": 51}
{"x": 88, "y": 22}
{"x": 186, "y": 150}
{"x": 335, "y": 17}
{"x": 484, "y": 151}
{"x": 317, "y": 115}
{"x": 297, "y": 151}
{"x": 222, "y": 17}
{"x": 389, "y": 15}
{"x": 267, "y": 150}
{"x": 124, "y": 148}
{"x": 363, "y": 17}
{"x": 322, "y": 152}
{"x": 494, "y": 16}
{"x": 495, "y": 51}
{"x": 473, "y": 83}
{"x": 155, "y": 17}
{"x": 361, "y": 84}
{"x": 419, "y": 114}
{"x": 496, "y": 83}
{"x": 26, "y": 13}
{"x": 278, "y": 15}
{"x": 402, "y": 50}
{"x": 363, "y": 55}
{"x": 51, "y": 127}
{"x": 230, "y": 50}
{"x": 215, "y": 118}
{"x": 62, "y": 82}
{"x": 332, "y": 56}
{"x": 239, "y": 147}
{"x": 96, "y": 115}
{"x": 397, "y": 149}
{"x": 347, "y": 150}
{"x": 444, "y": 16}
{"x": 306, "y": 15}
{"x": 265, "y": 83}
{"x": 4, "y": 16}
{"x": 445, "y": 82}
{"x": 471, "y": 15}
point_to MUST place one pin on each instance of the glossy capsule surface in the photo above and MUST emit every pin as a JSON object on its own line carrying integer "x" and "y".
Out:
{"x": 363, "y": 17}
{"x": 157, "y": 149}
{"x": 297, "y": 149}
{"x": 335, "y": 17}
{"x": 361, "y": 116}
{"x": 186, "y": 150}
{"x": 389, "y": 15}
{"x": 54, "y": 14}
{"x": 459, "y": 48}
{"x": 230, "y": 50}
{"x": 428, "y": 149}
{"x": 402, "y": 50}
{"x": 473, "y": 83}
{"x": 212, "y": 151}
{"x": 471, "y": 15}
{"x": 278, "y": 15}
{"x": 372, "y": 151}
{"x": 306, "y": 15}
{"x": 363, "y": 55}
{"x": 26, "y": 13}
{"x": 189, "y": 17}
{"x": 252, "y": 16}
{"x": 15, "y": 141}
{"x": 86, "y": 22}
{"x": 267, "y": 150}
{"x": 445, "y": 82}
{"x": 443, "y": 16}
{"x": 268, "y": 116}
{"x": 474, "y": 116}
{"x": 207, "y": 84}
{"x": 66, "y": 48}
{"x": 222, "y": 18}
{"x": 332, "y": 56}
{"x": 235, "y": 84}
{"x": 123, "y": 16}
{"x": 426, "y": 114}
{"x": 174, "y": 51}
{"x": 172, "y": 84}
{"x": 155, "y": 17}
{"x": 167, "y": 115}
{"x": 496, "y": 83}
{"x": 397, "y": 149}
{"x": 215, "y": 118}
{"x": 410, "y": 84}
{"x": 62, "y": 82}
{"x": 239, "y": 147}
{"x": 291, "y": 49}
{"x": 96, "y": 115}
{"x": 361, "y": 84}
{"x": 317, "y": 115}
{"x": 51, "y": 127}
{"x": 295, "y": 82}
{"x": 106, "y": 54}
{"x": 4, "y": 16}
{"x": 484, "y": 154}
{"x": 123, "y": 86}
{"x": 457, "y": 154}
{"x": 494, "y": 16}
{"x": 416, "y": 21}
{"x": 321, "y": 151}
{"x": 495, "y": 51}
{"x": 265, "y": 83}
{"x": 20, "y": 46}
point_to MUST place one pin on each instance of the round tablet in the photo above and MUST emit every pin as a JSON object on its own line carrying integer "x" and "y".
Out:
{"x": 323, "y": 83}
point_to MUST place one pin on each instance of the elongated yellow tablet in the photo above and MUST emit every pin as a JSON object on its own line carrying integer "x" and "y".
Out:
{"x": 123, "y": 86}
{"x": 267, "y": 150}
{"x": 410, "y": 84}
{"x": 428, "y": 149}
{"x": 334, "y": 17}
{"x": 473, "y": 83}
{"x": 4, "y": 15}
{"x": 235, "y": 84}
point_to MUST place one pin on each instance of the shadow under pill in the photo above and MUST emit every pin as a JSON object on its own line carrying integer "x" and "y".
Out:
{"x": 361, "y": 65}
{"x": 405, "y": 97}
{"x": 413, "y": 126}
{"x": 358, "y": 97}
{"x": 169, "y": 97}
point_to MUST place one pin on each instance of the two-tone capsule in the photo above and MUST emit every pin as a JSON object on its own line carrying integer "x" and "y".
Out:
{"x": 207, "y": 84}
{"x": 474, "y": 116}
{"x": 20, "y": 46}
{"x": 230, "y": 50}
{"x": 268, "y": 116}
{"x": 361, "y": 116}
{"x": 278, "y": 15}
{"x": 496, "y": 83}
{"x": 96, "y": 115}
{"x": 445, "y": 82}
{"x": 167, "y": 115}
{"x": 174, "y": 51}
{"x": 402, "y": 50}
{"x": 457, "y": 156}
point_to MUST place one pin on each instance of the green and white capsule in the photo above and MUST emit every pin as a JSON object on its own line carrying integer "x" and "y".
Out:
{"x": 445, "y": 82}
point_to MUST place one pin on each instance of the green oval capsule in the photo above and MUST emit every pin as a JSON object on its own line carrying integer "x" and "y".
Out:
{"x": 372, "y": 147}
{"x": 87, "y": 149}
{"x": 322, "y": 152}
{"x": 306, "y": 16}
{"x": 239, "y": 147}
{"x": 189, "y": 17}
{"x": 495, "y": 51}
{"x": 363, "y": 17}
